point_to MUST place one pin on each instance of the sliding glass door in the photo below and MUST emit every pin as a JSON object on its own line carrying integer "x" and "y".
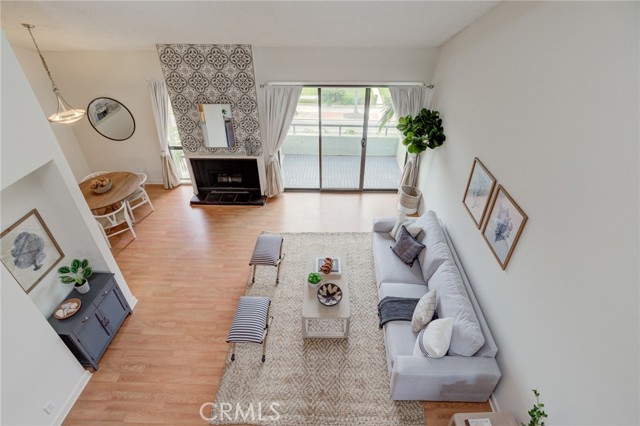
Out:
{"x": 339, "y": 140}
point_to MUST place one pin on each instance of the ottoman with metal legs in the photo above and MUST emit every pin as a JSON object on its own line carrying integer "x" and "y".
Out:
{"x": 251, "y": 323}
{"x": 268, "y": 251}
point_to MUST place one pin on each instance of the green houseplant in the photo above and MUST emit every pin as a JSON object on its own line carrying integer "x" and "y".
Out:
{"x": 314, "y": 278}
{"x": 422, "y": 131}
{"x": 536, "y": 413}
{"x": 77, "y": 273}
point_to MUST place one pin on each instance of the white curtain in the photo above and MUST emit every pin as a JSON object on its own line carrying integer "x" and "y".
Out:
{"x": 160, "y": 105}
{"x": 280, "y": 106}
{"x": 409, "y": 100}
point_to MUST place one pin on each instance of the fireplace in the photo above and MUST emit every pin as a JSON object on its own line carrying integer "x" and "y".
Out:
{"x": 227, "y": 181}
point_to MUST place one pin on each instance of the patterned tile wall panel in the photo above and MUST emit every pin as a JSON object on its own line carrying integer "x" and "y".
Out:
{"x": 212, "y": 74}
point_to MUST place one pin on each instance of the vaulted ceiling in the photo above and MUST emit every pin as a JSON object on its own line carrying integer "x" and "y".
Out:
{"x": 138, "y": 25}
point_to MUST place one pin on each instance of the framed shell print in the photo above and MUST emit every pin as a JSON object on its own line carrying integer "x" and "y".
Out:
{"x": 503, "y": 226}
{"x": 478, "y": 193}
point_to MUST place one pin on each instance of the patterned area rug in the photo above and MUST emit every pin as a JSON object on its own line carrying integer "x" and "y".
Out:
{"x": 314, "y": 381}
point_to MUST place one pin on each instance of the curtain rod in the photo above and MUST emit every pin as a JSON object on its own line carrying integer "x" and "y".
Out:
{"x": 351, "y": 84}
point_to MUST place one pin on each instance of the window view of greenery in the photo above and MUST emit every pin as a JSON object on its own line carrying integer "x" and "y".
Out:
{"x": 340, "y": 122}
{"x": 175, "y": 147}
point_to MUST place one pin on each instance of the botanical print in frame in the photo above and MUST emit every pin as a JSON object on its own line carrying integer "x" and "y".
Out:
{"x": 479, "y": 190}
{"x": 503, "y": 226}
{"x": 28, "y": 250}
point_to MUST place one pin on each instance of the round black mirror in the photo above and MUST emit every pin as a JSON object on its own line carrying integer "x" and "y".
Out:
{"x": 111, "y": 119}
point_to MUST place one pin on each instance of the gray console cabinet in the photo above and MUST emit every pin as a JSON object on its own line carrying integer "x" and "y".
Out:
{"x": 103, "y": 310}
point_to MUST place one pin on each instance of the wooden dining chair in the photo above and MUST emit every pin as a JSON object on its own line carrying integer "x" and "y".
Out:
{"x": 139, "y": 197}
{"x": 113, "y": 219}
{"x": 92, "y": 175}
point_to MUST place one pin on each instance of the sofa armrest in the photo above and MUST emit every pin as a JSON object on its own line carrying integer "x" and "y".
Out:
{"x": 384, "y": 224}
{"x": 450, "y": 378}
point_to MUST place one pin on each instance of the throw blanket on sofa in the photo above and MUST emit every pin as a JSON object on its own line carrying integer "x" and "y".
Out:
{"x": 396, "y": 309}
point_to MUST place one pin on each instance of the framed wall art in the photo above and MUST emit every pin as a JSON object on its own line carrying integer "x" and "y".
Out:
{"x": 28, "y": 250}
{"x": 478, "y": 193}
{"x": 503, "y": 226}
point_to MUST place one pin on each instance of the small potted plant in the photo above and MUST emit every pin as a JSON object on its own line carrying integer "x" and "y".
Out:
{"x": 78, "y": 273}
{"x": 314, "y": 279}
{"x": 537, "y": 413}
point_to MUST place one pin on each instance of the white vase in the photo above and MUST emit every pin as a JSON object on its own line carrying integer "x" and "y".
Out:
{"x": 84, "y": 288}
{"x": 314, "y": 286}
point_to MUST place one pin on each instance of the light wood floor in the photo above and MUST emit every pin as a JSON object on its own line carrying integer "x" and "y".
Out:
{"x": 188, "y": 267}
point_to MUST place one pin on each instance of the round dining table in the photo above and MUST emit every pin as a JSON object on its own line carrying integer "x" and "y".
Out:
{"x": 123, "y": 184}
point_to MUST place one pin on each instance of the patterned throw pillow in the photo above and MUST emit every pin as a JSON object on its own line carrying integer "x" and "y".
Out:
{"x": 407, "y": 248}
{"x": 424, "y": 311}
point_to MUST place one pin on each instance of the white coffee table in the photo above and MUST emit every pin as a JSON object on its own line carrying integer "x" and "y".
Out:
{"x": 312, "y": 309}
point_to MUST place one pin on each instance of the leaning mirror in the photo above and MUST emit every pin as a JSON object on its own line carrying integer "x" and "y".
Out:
{"x": 217, "y": 125}
{"x": 111, "y": 119}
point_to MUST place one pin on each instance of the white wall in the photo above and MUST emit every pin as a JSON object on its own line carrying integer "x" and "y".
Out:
{"x": 546, "y": 95}
{"x": 317, "y": 65}
{"x": 327, "y": 65}
{"x": 84, "y": 76}
{"x": 32, "y": 67}
{"x": 36, "y": 365}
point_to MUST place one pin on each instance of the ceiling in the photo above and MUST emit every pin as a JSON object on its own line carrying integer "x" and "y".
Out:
{"x": 139, "y": 25}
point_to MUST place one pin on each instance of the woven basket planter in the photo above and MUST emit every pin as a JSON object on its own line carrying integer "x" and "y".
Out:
{"x": 409, "y": 199}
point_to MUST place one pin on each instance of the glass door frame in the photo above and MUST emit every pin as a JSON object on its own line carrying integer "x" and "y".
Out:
{"x": 363, "y": 140}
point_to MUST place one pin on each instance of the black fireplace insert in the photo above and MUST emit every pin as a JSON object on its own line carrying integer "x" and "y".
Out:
{"x": 227, "y": 181}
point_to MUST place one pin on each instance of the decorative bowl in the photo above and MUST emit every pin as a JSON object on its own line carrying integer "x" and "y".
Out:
{"x": 102, "y": 189}
{"x": 67, "y": 308}
{"x": 329, "y": 294}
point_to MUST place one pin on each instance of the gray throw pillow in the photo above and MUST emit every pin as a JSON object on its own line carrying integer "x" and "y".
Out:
{"x": 406, "y": 247}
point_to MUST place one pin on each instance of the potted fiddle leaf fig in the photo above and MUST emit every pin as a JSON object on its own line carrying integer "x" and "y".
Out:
{"x": 422, "y": 131}
{"x": 77, "y": 273}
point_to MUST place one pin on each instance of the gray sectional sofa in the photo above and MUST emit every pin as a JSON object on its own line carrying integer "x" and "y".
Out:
{"x": 469, "y": 371}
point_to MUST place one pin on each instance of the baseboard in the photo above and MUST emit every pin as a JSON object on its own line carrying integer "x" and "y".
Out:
{"x": 75, "y": 394}
{"x": 133, "y": 303}
{"x": 493, "y": 402}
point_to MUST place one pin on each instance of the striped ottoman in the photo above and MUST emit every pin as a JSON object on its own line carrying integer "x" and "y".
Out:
{"x": 268, "y": 251}
{"x": 250, "y": 323}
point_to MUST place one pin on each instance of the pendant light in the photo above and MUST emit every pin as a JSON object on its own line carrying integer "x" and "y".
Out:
{"x": 66, "y": 113}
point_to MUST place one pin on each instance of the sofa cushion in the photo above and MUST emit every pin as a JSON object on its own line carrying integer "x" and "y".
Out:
{"x": 383, "y": 224}
{"x": 406, "y": 247}
{"x": 424, "y": 311}
{"x": 412, "y": 291}
{"x": 437, "y": 250}
{"x": 433, "y": 340}
{"x": 432, "y": 257}
{"x": 453, "y": 302}
{"x": 408, "y": 223}
{"x": 399, "y": 340}
{"x": 387, "y": 265}
{"x": 431, "y": 226}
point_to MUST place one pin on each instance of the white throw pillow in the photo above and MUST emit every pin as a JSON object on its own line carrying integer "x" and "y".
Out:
{"x": 411, "y": 226}
{"x": 433, "y": 341}
{"x": 424, "y": 311}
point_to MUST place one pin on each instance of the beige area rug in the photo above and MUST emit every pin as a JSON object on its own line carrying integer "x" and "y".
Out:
{"x": 315, "y": 381}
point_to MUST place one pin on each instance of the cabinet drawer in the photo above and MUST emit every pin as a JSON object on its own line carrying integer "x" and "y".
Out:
{"x": 108, "y": 287}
